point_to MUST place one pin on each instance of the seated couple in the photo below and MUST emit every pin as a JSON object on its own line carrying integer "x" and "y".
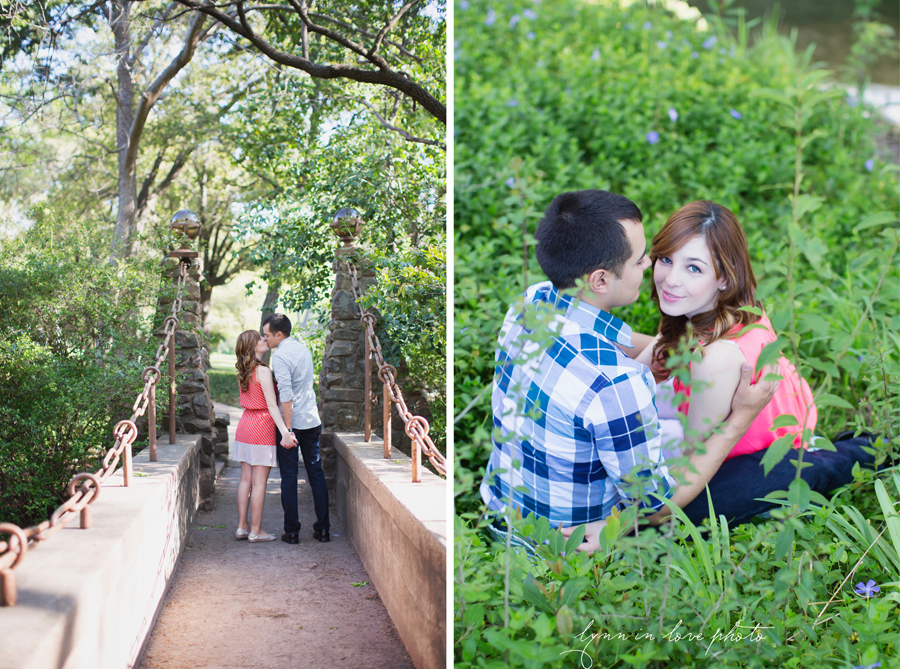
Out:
{"x": 574, "y": 417}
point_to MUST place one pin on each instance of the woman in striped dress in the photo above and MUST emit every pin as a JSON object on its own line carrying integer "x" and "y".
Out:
{"x": 254, "y": 445}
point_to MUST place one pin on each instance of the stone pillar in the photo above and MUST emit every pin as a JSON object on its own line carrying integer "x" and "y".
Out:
{"x": 342, "y": 379}
{"x": 194, "y": 410}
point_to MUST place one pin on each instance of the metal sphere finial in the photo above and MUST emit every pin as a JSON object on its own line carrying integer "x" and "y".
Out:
{"x": 347, "y": 225}
{"x": 187, "y": 224}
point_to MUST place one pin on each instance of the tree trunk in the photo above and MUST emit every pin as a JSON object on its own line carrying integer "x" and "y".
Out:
{"x": 120, "y": 23}
{"x": 271, "y": 301}
{"x": 131, "y": 120}
{"x": 205, "y": 301}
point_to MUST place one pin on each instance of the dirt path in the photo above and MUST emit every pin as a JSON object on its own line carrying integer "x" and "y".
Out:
{"x": 270, "y": 605}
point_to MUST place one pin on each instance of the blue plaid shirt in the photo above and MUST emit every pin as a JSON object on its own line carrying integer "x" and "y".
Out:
{"x": 571, "y": 419}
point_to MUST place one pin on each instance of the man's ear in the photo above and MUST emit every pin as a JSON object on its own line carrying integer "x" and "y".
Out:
{"x": 598, "y": 281}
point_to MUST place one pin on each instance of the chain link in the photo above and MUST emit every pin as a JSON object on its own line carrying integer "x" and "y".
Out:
{"x": 416, "y": 426}
{"x": 125, "y": 432}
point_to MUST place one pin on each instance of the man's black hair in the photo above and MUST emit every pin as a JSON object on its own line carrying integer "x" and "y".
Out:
{"x": 278, "y": 323}
{"x": 582, "y": 231}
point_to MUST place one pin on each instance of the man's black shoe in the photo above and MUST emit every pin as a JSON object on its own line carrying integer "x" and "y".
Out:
{"x": 290, "y": 538}
{"x": 324, "y": 537}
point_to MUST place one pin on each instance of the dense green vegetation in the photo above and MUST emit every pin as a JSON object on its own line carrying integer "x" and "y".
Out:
{"x": 564, "y": 96}
{"x": 71, "y": 357}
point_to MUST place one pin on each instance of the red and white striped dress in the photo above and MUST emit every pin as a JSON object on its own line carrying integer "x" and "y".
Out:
{"x": 254, "y": 441}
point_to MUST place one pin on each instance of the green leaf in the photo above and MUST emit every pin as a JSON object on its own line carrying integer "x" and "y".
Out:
{"x": 873, "y": 220}
{"x": 823, "y": 443}
{"x": 785, "y": 420}
{"x": 575, "y": 539}
{"x": 752, "y": 326}
{"x": 806, "y": 204}
{"x": 571, "y": 591}
{"x": 823, "y": 366}
{"x": 891, "y": 518}
{"x": 776, "y": 452}
{"x": 799, "y": 494}
{"x": 770, "y": 353}
{"x": 785, "y": 541}
{"x": 752, "y": 309}
{"x": 536, "y": 594}
{"x": 828, "y": 400}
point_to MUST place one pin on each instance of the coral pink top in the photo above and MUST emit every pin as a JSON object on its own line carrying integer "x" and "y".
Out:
{"x": 793, "y": 395}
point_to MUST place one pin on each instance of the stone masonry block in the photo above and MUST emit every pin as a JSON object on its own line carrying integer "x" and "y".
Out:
{"x": 341, "y": 348}
{"x": 202, "y": 405}
{"x": 344, "y": 307}
{"x": 344, "y": 395}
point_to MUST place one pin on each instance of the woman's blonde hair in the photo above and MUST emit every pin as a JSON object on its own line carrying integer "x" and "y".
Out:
{"x": 245, "y": 350}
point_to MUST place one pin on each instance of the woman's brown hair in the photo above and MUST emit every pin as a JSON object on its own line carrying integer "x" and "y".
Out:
{"x": 728, "y": 247}
{"x": 245, "y": 350}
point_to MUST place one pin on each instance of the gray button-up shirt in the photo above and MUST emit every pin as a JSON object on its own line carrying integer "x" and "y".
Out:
{"x": 293, "y": 370}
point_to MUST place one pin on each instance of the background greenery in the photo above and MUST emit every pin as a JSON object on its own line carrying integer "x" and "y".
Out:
{"x": 71, "y": 357}
{"x": 564, "y": 96}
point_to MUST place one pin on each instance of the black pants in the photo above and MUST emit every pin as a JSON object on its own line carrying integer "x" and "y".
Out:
{"x": 740, "y": 481}
{"x": 289, "y": 466}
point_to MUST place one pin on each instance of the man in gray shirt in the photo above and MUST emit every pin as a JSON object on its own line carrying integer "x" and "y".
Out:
{"x": 293, "y": 371}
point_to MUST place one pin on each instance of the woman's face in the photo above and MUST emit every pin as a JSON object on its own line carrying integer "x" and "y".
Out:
{"x": 686, "y": 280}
{"x": 261, "y": 348}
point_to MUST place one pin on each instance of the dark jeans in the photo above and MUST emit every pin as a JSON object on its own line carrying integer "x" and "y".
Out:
{"x": 740, "y": 481}
{"x": 289, "y": 466}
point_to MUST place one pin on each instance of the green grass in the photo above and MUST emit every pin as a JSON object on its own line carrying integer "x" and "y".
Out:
{"x": 223, "y": 384}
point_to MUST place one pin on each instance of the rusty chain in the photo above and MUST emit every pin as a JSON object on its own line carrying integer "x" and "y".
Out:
{"x": 125, "y": 432}
{"x": 416, "y": 426}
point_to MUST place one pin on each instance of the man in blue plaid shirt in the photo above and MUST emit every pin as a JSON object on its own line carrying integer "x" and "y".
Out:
{"x": 573, "y": 414}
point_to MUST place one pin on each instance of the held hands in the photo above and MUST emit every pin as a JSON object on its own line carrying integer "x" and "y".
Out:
{"x": 289, "y": 440}
{"x": 592, "y": 531}
{"x": 752, "y": 396}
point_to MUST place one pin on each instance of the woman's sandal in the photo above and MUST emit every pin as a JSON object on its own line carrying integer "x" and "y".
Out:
{"x": 263, "y": 536}
{"x": 241, "y": 534}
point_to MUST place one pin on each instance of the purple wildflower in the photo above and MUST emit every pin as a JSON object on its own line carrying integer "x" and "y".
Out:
{"x": 514, "y": 20}
{"x": 673, "y": 114}
{"x": 530, "y": 35}
{"x": 464, "y": 4}
{"x": 511, "y": 182}
{"x": 669, "y": 34}
{"x": 595, "y": 55}
{"x": 870, "y": 165}
{"x": 661, "y": 44}
{"x": 512, "y": 102}
{"x": 568, "y": 90}
{"x": 710, "y": 42}
{"x": 694, "y": 54}
{"x": 647, "y": 25}
{"x": 530, "y": 14}
{"x": 491, "y": 18}
{"x": 653, "y": 137}
{"x": 735, "y": 114}
{"x": 868, "y": 589}
{"x": 867, "y": 666}
{"x": 540, "y": 63}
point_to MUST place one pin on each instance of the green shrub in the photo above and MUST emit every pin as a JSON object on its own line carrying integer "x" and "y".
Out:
{"x": 74, "y": 339}
{"x": 633, "y": 100}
